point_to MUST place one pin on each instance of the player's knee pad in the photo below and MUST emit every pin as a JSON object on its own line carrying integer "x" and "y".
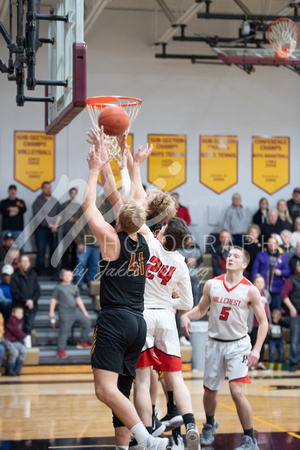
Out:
{"x": 124, "y": 385}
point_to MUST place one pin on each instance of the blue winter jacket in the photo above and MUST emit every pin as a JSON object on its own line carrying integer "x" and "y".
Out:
{"x": 262, "y": 266}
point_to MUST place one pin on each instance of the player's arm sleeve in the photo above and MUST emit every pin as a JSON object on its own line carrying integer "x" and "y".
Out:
{"x": 185, "y": 300}
{"x": 126, "y": 184}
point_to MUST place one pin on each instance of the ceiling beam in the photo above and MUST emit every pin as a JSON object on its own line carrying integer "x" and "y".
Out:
{"x": 93, "y": 14}
{"x": 242, "y": 6}
{"x": 166, "y": 10}
{"x": 181, "y": 21}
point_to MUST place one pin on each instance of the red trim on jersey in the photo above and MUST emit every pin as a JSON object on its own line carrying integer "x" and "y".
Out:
{"x": 208, "y": 390}
{"x": 159, "y": 360}
{"x": 243, "y": 281}
{"x": 147, "y": 359}
{"x": 245, "y": 380}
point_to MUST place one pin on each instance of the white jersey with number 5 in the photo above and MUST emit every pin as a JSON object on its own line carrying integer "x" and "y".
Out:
{"x": 165, "y": 271}
{"x": 229, "y": 309}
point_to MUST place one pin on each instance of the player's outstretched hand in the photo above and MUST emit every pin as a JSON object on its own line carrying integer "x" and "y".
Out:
{"x": 185, "y": 324}
{"x": 96, "y": 160}
{"x": 253, "y": 358}
{"x": 140, "y": 155}
{"x": 99, "y": 142}
{"x": 123, "y": 163}
{"x": 121, "y": 139}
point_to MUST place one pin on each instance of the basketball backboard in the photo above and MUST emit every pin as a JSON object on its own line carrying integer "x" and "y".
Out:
{"x": 256, "y": 56}
{"x": 67, "y": 63}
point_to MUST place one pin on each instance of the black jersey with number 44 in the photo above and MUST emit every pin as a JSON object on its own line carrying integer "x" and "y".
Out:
{"x": 122, "y": 282}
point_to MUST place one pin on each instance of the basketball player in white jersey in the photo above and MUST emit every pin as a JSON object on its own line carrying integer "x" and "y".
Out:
{"x": 228, "y": 347}
{"x": 165, "y": 270}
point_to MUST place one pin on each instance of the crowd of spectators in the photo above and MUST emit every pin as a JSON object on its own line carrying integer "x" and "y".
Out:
{"x": 271, "y": 236}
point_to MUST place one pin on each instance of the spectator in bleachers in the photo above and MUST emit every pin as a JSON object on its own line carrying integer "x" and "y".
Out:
{"x": 7, "y": 242}
{"x": 68, "y": 211}
{"x": 252, "y": 322}
{"x": 6, "y": 273}
{"x": 13, "y": 257}
{"x": 12, "y": 210}
{"x": 290, "y": 295}
{"x": 182, "y": 211}
{"x": 5, "y": 305}
{"x": 295, "y": 260}
{"x": 194, "y": 260}
{"x": 237, "y": 220}
{"x": 253, "y": 246}
{"x": 5, "y": 345}
{"x": 46, "y": 231}
{"x": 261, "y": 215}
{"x": 294, "y": 204}
{"x": 220, "y": 254}
{"x": 286, "y": 246}
{"x": 296, "y": 234}
{"x": 71, "y": 310}
{"x": 275, "y": 339}
{"x": 284, "y": 218}
{"x": 25, "y": 291}
{"x": 87, "y": 253}
{"x": 273, "y": 265}
{"x": 271, "y": 228}
{"x": 14, "y": 334}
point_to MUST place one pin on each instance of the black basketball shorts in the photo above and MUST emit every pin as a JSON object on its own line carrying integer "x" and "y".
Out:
{"x": 118, "y": 339}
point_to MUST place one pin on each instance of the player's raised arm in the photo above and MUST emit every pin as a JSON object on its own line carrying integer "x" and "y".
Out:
{"x": 198, "y": 311}
{"x": 103, "y": 231}
{"x": 107, "y": 177}
{"x": 137, "y": 191}
{"x": 260, "y": 314}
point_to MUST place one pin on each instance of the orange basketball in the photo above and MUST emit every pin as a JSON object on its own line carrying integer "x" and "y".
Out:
{"x": 114, "y": 120}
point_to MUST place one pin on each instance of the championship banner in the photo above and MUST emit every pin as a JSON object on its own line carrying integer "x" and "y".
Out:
{"x": 270, "y": 162}
{"x": 218, "y": 162}
{"x": 114, "y": 167}
{"x": 167, "y": 162}
{"x": 34, "y": 154}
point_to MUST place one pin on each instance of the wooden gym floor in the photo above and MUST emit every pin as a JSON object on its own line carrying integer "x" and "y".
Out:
{"x": 60, "y": 411}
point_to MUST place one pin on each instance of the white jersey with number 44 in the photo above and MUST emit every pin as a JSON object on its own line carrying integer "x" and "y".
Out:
{"x": 165, "y": 271}
{"x": 229, "y": 309}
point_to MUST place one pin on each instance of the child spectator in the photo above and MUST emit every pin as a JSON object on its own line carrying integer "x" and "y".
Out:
{"x": 259, "y": 282}
{"x": 275, "y": 340}
{"x": 14, "y": 334}
{"x": 68, "y": 298}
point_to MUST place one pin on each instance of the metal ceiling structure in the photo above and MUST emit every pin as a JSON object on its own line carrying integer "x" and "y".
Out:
{"x": 253, "y": 17}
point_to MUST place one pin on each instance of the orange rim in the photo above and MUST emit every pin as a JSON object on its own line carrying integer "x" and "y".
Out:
{"x": 270, "y": 40}
{"x": 102, "y": 102}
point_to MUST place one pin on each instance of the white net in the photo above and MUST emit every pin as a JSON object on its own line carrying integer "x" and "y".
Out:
{"x": 96, "y": 104}
{"x": 283, "y": 35}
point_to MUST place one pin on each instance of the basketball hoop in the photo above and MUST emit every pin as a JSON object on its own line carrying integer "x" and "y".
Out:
{"x": 96, "y": 104}
{"x": 283, "y": 35}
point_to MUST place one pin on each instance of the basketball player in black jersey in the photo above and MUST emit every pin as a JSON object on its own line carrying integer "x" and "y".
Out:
{"x": 120, "y": 330}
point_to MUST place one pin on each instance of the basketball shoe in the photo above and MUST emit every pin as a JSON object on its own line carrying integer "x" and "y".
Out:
{"x": 192, "y": 437}
{"x": 208, "y": 432}
{"x": 62, "y": 354}
{"x": 81, "y": 345}
{"x": 248, "y": 444}
{"x": 157, "y": 427}
{"x": 153, "y": 443}
{"x": 172, "y": 419}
